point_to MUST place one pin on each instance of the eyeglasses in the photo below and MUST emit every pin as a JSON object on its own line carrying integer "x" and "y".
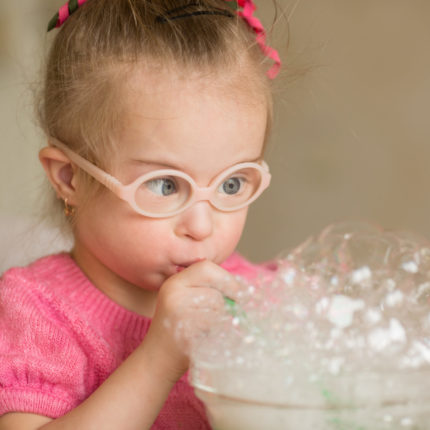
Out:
{"x": 167, "y": 192}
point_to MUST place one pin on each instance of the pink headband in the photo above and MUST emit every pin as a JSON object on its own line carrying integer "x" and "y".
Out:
{"x": 247, "y": 13}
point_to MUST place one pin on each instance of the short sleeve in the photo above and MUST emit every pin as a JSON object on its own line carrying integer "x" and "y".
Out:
{"x": 42, "y": 367}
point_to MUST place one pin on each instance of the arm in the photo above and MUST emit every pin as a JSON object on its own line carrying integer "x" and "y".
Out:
{"x": 22, "y": 421}
{"x": 131, "y": 398}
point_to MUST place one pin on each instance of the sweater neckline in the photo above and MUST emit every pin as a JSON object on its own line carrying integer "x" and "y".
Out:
{"x": 86, "y": 298}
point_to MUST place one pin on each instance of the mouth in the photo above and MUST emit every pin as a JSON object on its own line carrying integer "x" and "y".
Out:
{"x": 180, "y": 267}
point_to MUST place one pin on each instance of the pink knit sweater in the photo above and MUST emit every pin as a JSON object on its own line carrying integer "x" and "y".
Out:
{"x": 61, "y": 337}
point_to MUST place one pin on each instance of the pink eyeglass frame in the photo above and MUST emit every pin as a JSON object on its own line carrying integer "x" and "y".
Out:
{"x": 198, "y": 194}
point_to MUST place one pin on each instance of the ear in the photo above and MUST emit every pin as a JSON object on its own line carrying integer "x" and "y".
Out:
{"x": 61, "y": 172}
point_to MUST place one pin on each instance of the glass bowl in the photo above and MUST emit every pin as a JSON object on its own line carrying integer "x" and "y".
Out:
{"x": 243, "y": 400}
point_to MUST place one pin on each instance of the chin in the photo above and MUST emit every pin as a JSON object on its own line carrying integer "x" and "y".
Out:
{"x": 152, "y": 286}
{"x": 150, "y": 283}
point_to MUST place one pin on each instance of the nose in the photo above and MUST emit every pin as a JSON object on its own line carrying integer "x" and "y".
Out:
{"x": 196, "y": 222}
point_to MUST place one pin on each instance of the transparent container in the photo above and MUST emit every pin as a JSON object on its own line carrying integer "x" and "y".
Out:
{"x": 338, "y": 339}
{"x": 243, "y": 401}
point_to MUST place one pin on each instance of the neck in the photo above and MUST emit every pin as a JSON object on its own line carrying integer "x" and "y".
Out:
{"x": 124, "y": 293}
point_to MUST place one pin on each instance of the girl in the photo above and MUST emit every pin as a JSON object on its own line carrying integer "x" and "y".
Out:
{"x": 157, "y": 113}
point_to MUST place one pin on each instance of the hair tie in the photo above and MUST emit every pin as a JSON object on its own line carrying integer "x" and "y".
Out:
{"x": 181, "y": 12}
{"x": 65, "y": 11}
{"x": 247, "y": 13}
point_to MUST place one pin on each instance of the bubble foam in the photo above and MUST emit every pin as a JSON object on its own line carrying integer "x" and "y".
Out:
{"x": 345, "y": 323}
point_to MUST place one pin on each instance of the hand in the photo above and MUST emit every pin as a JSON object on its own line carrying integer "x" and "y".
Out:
{"x": 187, "y": 305}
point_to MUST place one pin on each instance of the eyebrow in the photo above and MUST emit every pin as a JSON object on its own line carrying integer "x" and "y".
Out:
{"x": 172, "y": 166}
{"x": 153, "y": 162}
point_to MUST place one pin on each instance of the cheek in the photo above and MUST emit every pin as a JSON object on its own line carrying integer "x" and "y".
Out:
{"x": 109, "y": 224}
{"x": 232, "y": 229}
{"x": 118, "y": 238}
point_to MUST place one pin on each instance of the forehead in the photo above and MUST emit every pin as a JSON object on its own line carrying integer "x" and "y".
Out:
{"x": 159, "y": 91}
{"x": 179, "y": 120}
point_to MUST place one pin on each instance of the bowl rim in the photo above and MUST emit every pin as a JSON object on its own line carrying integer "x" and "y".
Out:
{"x": 207, "y": 392}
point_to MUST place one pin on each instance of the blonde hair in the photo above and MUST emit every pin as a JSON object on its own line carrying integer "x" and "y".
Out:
{"x": 104, "y": 39}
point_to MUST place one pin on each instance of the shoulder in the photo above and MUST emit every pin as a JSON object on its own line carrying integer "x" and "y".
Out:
{"x": 36, "y": 289}
{"x": 237, "y": 265}
{"x": 30, "y": 286}
{"x": 40, "y": 272}
{"x": 31, "y": 301}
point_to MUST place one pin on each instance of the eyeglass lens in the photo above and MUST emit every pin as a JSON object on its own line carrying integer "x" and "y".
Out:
{"x": 165, "y": 194}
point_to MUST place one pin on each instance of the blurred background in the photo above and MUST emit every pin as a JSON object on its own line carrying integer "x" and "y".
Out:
{"x": 351, "y": 139}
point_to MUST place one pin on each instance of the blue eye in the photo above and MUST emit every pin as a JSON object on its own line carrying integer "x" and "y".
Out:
{"x": 231, "y": 186}
{"x": 162, "y": 186}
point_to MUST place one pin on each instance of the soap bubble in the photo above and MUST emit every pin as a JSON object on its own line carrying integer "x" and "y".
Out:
{"x": 339, "y": 338}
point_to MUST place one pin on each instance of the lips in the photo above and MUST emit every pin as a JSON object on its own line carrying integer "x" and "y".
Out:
{"x": 182, "y": 266}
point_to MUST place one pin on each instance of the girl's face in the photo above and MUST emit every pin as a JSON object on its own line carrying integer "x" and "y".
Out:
{"x": 196, "y": 126}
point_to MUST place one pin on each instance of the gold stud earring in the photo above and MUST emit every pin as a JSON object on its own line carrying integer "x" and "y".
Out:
{"x": 68, "y": 210}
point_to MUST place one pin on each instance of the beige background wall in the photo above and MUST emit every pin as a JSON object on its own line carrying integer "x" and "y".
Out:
{"x": 351, "y": 139}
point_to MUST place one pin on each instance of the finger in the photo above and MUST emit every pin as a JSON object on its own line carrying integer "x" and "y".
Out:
{"x": 190, "y": 332}
{"x": 201, "y": 309}
{"x": 209, "y": 275}
{"x": 201, "y": 299}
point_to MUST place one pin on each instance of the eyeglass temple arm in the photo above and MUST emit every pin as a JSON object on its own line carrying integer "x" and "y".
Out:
{"x": 104, "y": 178}
{"x": 267, "y": 176}
{"x": 108, "y": 180}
